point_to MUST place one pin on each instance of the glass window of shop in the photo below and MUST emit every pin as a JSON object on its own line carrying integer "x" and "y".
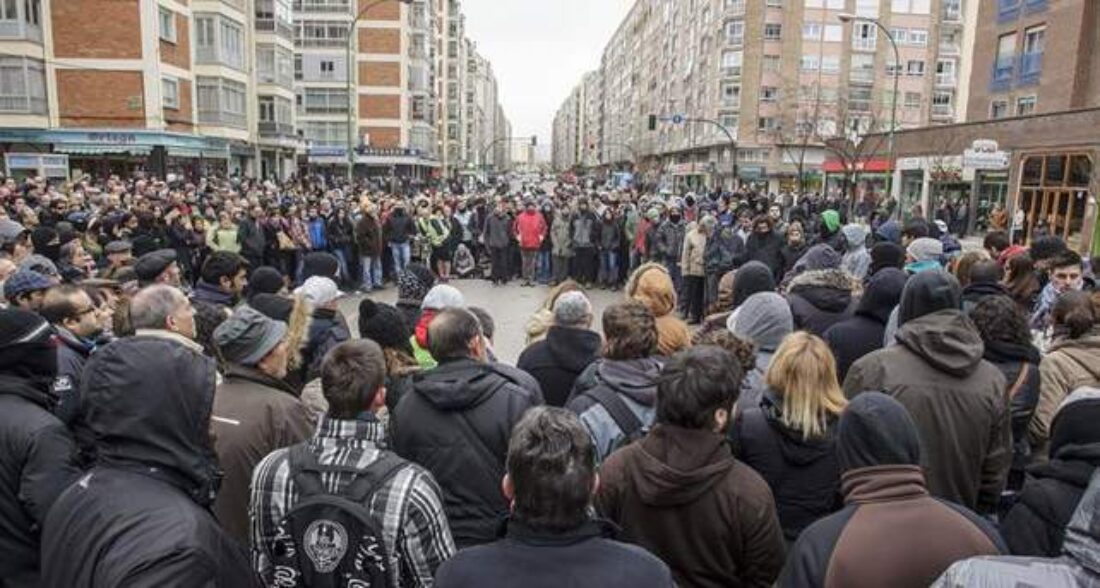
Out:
{"x": 1053, "y": 196}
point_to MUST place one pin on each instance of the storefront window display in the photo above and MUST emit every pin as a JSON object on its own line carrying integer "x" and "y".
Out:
{"x": 1054, "y": 193}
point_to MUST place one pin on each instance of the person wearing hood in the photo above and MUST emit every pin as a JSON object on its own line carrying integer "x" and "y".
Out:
{"x": 856, "y": 260}
{"x": 255, "y": 411}
{"x": 680, "y": 492}
{"x": 764, "y": 320}
{"x": 1036, "y": 523}
{"x": 1003, "y": 328}
{"x": 37, "y": 453}
{"x": 923, "y": 254}
{"x": 651, "y": 285}
{"x": 751, "y": 278}
{"x": 141, "y": 515}
{"x": 795, "y": 246}
{"x": 829, "y": 232}
{"x": 438, "y": 298}
{"x": 819, "y": 292}
{"x": 789, "y": 439}
{"x": 625, "y": 377}
{"x": 723, "y": 254}
{"x": 888, "y": 232}
{"x": 456, "y": 422}
{"x": 413, "y": 285}
{"x": 863, "y": 333}
{"x": 884, "y": 255}
{"x": 764, "y": 245}
{"x": 568, "y": 349}
{"x": 892, "y": 531}
{"x": 585, "y": 235}
{"x": 1072, "y": 361}
{"x": 1078, "y": 563}
{"x": 957, "y": 399}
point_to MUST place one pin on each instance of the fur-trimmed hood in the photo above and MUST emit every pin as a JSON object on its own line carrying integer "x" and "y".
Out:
{"x": 830, "y": 290}
{"x": 297, "y": 330}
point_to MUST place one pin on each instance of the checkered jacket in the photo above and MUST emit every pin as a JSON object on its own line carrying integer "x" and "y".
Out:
{"x": 414, "y": 526}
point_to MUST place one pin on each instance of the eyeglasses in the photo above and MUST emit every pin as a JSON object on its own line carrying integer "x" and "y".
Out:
{"x": 85, "y": 311}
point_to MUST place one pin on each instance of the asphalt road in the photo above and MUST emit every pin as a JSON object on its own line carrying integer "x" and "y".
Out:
{"x": 510, "y": 306}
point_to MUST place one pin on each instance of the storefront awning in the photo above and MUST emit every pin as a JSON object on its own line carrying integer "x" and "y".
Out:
{"x": 82, "y": 149}
{"x": 834, "y": 166}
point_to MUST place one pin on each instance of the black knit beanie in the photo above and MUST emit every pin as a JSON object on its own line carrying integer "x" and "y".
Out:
{"x": 384, "y": 325}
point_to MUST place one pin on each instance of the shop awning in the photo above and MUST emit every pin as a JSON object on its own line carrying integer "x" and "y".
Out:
{"x": 92, "y": 149}
{"x": 834, "y": 166}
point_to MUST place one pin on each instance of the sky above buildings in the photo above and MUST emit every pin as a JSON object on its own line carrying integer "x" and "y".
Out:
{"x": 539, "y": 50}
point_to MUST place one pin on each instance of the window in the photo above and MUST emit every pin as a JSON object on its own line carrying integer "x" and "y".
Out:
{"x": 170, "y": 90}
{"x": 1025, "y": 105}
{"x": 775, "y": 3}
{"x": 867, "y": 8}
{"x": 219, "y": 41}
{"x": 912, "y": 99}
{"x": 830, "y": 64}
{"x": 221, "y": 102}
{"x": 901, "y": 36}
{"x": 325, "y": 101}
{"x": 731, "y": 95}
{"x": 1006, "y": 60}
{"x": 943, "y": 104}
{"x": 815, "y": 3}
{"x": 998, "y": 109}
{"x": 772, "y": 31}
{"x": 771, "y": 63}
{"x": 810, "y": 63}
{"x": 297, "y": 66}
{"x": 945, "y": 72}
{"x": 911, "y": 6}
{"x": 834, "y": 33}
{"x": 864, "y": 36}
{"x": 231, "y": 44}
{"x": 265, "y": 64}
{"x": 767, "y": 124}
{"x": 731, "y": 62}
{"x": 918, "y": 37}
{"x": 915, "y": 67}
{"x": 1033, "y": 39}
{"x": 167, "y": 25}
{"x": 327, "y": 68}
{"x": 267, "y": 109}
{"x": 811, "y": 31}
{"x": 735, "y": 32}
{"x": 769, "y": 94}
{"x": 22, "y": 85}
{"x": 204, "y": 32}
{"x": 862, "y": 68}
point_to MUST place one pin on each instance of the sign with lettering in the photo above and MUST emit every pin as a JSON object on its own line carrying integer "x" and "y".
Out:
{"x": 985, "y": 154}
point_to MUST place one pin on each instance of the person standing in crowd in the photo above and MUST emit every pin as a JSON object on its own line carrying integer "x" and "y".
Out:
{"x": 223, "y": 235}
{"x": 385, "y": 325}
{"x": 681, "y": 494}
{"x": 693, "y": 268}
{"x": 1022, "y": 282}
{"x": 403, "y": 500}
{"x": 398, "y": 231}
{"x": 764, "y": 245}
{"x": 327, "y": 327}
{"x": 141, "y": 515}
{"x": 611, "y": 238}
{"x": 561, "y": 233}
{"x": 413, "y": 285}
{"x": 438, "y": 299}
{"x": 892, "y": 531}
{"x": 616, "y": 396}
{"x": 340, "y": 235}
{"x": 652, "y": 285}
{"x": 957, "y": 399}
{"x": 250, "y": 233}
{"x": 467, "y": 227}
{"x": 497, "y": 238}
{"x": 550, "y": 481}
{"x": 224, "y": 279}
{"x": 255, "y": 412}
{"x": 457, "y": 420}
{"x": 820, "y": 293}
{"x": 569, "y": 347}
{"x": 669, "y": 246}
{"x": 864, "y": 332}
{"x": 723, "y": 254}
{"x": 1072, "y": 361}
{"x": 1066, "y": 275}
{"x": 368, "y": 237}
{"x": 530, "y": 230}
{"x": 794, "y": 247}
{"x": 857, "y": 260}
{"x": 585, "y": 232}
{"x": 790, "y": 438}
{"x": 923, "y": 254}
{"x": 37, "y": 453}
{"x": 764, "y": 320}
{"x": 76, "y": 326}
{"x": 829, "y": 232}
{"x": 161, "y": 267}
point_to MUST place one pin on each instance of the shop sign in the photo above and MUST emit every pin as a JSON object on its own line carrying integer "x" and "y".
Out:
{"x": 113, "y": 138}
{"x": 911, "y": 163}
{"x": 985, "y": 154}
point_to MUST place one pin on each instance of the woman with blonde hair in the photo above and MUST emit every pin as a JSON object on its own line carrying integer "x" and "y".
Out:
{"x": 790, "y": 438}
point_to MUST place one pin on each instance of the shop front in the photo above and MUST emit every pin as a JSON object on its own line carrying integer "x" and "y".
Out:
{"x": 1055, "y": 197}
{"x": 28, "y": 165}
{"x": 865, "y": 179}
{"x": 963, "y": 190}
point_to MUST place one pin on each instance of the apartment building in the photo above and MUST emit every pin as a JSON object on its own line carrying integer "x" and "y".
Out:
{"x": 779, "y": 77}
{"x": 567, "y": 148}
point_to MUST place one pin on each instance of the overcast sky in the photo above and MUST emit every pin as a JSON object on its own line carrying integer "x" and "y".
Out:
{"x": 539, "y": 50}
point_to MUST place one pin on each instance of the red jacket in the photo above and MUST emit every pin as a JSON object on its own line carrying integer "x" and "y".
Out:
{"x": 530, "y": 227}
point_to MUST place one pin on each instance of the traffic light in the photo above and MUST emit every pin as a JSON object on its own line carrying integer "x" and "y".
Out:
{"x": 653, "y": 122}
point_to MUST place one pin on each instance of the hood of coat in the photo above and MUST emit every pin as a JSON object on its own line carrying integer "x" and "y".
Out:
{"x": 764, "y": 319}
{"x": 1082, "y": 541}
{"x": 975, "y": 292}
{"x": 855, "y": 237}
{"x": 573, "y": 349}
{"x": 460, "y": 384}
{"x": 162, "y": 431}
{"x": 874, "y": 431}
{"x": 928, "y": 292}
{"x": 749, "y": 279}
{"x": 889, "y": 231}
{"x": 635, "y": 378}
{"x": 36, "y": 390}
{"x": 652, "y": 286}
{"x": 946, "y": 339}
{"x": 1002, "y": 352}
{"x": 881, "y": 294}
{"x": 829, "y": 290}
{"x": 795, "y": 447}
{"x": 677, "y": 466}
{"x": 1084, "y": 352}
{"x": 819, "y": 257}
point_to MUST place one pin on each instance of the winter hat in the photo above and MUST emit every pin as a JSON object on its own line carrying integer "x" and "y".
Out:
{"x": 413, "y": 284}
{"x": 1047, "y": 247}
{"x": 248, "y": 336}
{"x": 928, "y": 292}
{"x": 886, "y": 254}
{"x": 24, "y": 281}
{"x": 19, "y": 327}
{"x": 876, "y": 430}
{"x": 890, "y": 232}
{"x": 10, "y": 231}
{"x": 265, "y": 280}
{"x": 819, "y": 257}
{"x": 749, "y": 279}
{"x": 882, "y": 293}
{"x": 764, "y": 319}
{"x": 831, "y": 219}
{"x": 925, "y": 249}
{"x": 42, "y": 237}
{"x": 443, "y": 296}
{"x": 25, "y": 347}
{"x": 384, "y": 325}
{"x": 1074, "y": 422}
{"x": 319, "y": 291}
{"x": 152, "y": 264}
{"x": 320, "y": 263}
{"x": 40, "y": 264}
{"x": 273, "y": 306}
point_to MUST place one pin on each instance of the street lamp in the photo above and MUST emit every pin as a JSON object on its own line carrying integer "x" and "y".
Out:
{"x": 352, "y": 97}
{"x": 847, "y": 17}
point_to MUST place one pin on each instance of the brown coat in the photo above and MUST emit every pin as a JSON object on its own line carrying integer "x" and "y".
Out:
{"x": 681, "y": 494}
{"x": 1068, "y": 365}
{"x": 253, "y": 415}
{"x": 692, "y": 262}
{"x": 651, "y": 285}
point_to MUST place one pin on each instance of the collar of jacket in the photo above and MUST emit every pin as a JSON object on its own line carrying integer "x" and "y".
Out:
{"x": 74, "y": 341}
{"x": 516, "y": 530}
{"x": 171, "y": 336}
{"x": 236, "y": 370}
{"x": 206, "y": 292}
{"x": 366, "y": 431}
{"x": 883, "y": 483}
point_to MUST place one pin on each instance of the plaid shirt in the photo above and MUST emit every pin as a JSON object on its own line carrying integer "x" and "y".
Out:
{"x": 414, "y": 526}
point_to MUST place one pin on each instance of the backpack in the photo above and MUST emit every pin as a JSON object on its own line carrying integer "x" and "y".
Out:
{"x": 631, "y": 426}
{"x": 331, "y": 540}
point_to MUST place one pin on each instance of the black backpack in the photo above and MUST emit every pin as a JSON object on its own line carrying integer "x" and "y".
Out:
{"x": 331, "y": 540}
{"x": 631, "y": 426}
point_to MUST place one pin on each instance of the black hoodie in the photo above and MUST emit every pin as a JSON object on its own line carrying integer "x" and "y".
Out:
{"x": 559, "y": 359}
{"x": 863, "y": 333}
{"x": 456, "y": 423}
{"x": 141, "y": 516}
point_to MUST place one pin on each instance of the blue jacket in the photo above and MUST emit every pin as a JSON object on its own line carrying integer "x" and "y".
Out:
{"x": 317, "y": 234}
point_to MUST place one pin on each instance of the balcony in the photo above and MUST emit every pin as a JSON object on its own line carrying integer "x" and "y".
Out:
{"x": 222, "y": 118}
{"x": 864, "y": 44}
{"x": 1031, "y": 68}
{"x": 941, "y": 111}
{"x": 268, "y": 128}
{"x": 1002, "y": 74}
{"x": 946, "y": 80}
{"x": 22, "y": 105}
{"x": 951, "y": 14}
{"x": 731, "y": 72}
{"x": 949, "y": 49}
{"x": 323, "y": 6}
{"x": 18, "y": 30}
{"x": 735, "y": 40}
{"x": 735, "y": 7}
{"x": 1035, "y": 6}
{"x": 861, "y": 76}
{"x": 281, "y": 28}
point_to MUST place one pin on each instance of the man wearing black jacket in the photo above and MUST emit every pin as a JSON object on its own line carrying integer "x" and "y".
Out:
{"x": 250, "y": 234}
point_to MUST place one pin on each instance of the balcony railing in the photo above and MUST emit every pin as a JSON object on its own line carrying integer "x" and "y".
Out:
{"x": 951, "y": 14}
{"x": 864, "y": 44}
{"x": 1031, "y": 68}
{"x": 946, "y": 80}
{"x": 222, "y": 118}
{"x": 731, "y": 72}
{"x": 943, "y": 110}
{"x": 947, "y": 49}
{"x": 322, "y": 6}
{"x": 18, "y": 29}
{"x": 861, "y": 76}
{"x": 23, "y": 104}
{"x": 735, "y": 39}
{"x": 269, "y": 128}
{"x": 1002, "y": 74}
{"x": 281, "y": 28}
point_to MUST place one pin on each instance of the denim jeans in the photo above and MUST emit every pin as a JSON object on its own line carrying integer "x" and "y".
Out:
{"x": 402, "y": 252}
{"x": 544, "y": 267}
{"x": 341, "y": 254}
{"x": 609, "y": 268}
{"x": 372, "y": 272}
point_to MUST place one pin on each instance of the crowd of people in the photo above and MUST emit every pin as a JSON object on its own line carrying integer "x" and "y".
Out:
{"x": 794, "y": 392}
